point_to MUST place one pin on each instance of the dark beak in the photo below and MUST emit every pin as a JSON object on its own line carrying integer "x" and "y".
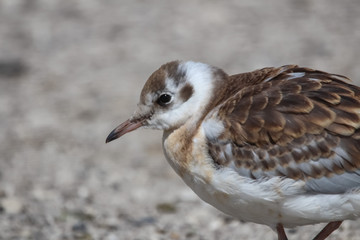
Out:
{"x": 122, "y": 129}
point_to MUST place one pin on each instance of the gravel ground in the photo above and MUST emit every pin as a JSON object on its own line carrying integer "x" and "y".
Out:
{"x": 70, "y": 71}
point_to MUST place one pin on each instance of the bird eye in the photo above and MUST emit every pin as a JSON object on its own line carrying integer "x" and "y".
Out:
{"x": 164, "y": 99}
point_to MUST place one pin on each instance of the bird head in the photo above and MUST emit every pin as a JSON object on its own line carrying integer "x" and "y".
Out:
{"x": 173, "y": 94}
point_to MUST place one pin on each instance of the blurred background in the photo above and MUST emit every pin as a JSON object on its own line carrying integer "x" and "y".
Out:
{"x": 71, "y": 71}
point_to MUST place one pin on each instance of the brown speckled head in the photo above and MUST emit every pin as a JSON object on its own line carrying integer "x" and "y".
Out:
{"x": 156, "y": 81}
{"x": 175, "y": 92}
{"x": 178, "y": 92}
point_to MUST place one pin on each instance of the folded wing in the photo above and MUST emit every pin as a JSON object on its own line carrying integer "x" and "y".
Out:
{"x": 298, "y": 123}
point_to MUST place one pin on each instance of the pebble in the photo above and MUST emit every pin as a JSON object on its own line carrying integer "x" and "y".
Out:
{"x": 166, "y": 208}
{"x": 12, "y": 205}
{"x": 80, "y": 231}
{"x": 111, "y": 236}
{"x": 12, "y": 68}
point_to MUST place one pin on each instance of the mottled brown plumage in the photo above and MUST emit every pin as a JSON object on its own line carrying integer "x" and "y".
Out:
{"x": 282, "y": 109}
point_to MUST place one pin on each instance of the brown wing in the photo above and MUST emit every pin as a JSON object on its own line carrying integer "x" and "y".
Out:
{"x": 300, "y": 124}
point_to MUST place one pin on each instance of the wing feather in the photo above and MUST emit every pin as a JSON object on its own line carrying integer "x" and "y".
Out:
{"x": 294, "y": 122}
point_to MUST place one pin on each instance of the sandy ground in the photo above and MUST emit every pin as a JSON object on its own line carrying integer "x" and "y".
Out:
{"x": 70, "y": 71}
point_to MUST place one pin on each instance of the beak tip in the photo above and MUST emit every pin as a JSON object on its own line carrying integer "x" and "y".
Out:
{"x": 122, "y": 129}
{"x": 112, "y": 136}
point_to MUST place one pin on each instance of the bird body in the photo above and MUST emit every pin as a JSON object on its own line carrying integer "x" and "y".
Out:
{"x": 276, "y": 146}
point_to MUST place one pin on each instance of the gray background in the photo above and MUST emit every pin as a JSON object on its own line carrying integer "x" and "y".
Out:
{"x": 70, "y": 71}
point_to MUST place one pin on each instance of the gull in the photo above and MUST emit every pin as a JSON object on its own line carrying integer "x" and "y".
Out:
{"x": 278, "y": 146}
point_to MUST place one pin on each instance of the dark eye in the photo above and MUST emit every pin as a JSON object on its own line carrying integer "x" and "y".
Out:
{"x": 164, "y": 99}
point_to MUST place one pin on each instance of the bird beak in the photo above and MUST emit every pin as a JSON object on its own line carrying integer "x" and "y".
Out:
{"x": 122, "y": 129}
